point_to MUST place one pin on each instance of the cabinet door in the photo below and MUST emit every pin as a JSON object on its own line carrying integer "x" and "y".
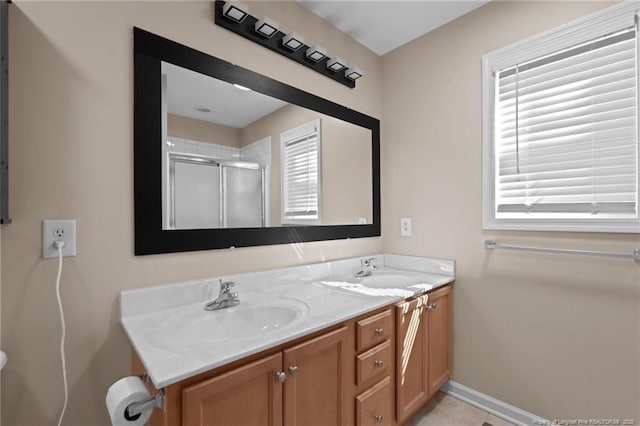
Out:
{"x": 439, "y": 325}
{"x": 315, "y": 389}
{"x": 247, "y": 396}
{"x": 412, "y": 386}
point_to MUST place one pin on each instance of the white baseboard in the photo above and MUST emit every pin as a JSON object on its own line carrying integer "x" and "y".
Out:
{"x": 493, "y": 406}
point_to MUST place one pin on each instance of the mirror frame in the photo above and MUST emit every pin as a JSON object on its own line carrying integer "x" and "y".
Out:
{"x": 149, "y": 51}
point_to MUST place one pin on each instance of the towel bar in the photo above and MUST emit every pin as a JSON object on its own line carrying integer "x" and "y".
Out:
{"x": 492, "y": 244}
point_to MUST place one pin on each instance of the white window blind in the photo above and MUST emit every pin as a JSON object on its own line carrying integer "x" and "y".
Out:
{"x": 301, "y": 174}
{"x": 566, "y": 131}
{"x": 561, "y": 128}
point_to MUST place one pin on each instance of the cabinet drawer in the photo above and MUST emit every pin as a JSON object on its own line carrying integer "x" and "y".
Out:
{"x": 373, "y": 407}
{"x": 373, "y": 330}
{"x": 374, "y": 362}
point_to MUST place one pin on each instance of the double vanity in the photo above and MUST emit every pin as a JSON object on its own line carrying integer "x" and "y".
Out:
{"x": 363, "y": 341}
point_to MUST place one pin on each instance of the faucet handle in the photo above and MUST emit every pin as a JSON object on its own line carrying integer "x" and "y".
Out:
{"x": 226, "y": 286}
{"x": 370, "y": 262}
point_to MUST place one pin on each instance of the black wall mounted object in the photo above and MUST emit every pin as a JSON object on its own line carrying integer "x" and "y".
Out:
{"x": 4, "y": 113}
{"x": 246, "y": 29}
{"x": 150, "y": 237}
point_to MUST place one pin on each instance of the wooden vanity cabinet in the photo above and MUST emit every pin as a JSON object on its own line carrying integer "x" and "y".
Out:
{"x": 374, "y": 370}
{"x": 439, "y": 341}
{"x": 248, "y": 395}
{"x": 374, "y": 407}
{"x": 309, "y": 378}
{"x": 374, "y": 365}
{"x": 412, "y": 377}
{"x": 423, "y": 349}
{"x": 303, "y": 383}
{"x": 316, "y": 386}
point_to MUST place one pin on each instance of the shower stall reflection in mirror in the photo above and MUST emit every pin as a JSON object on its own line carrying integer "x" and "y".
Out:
{"x": 206, "y": 192}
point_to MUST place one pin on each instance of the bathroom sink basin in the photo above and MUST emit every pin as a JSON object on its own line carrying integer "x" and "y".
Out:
{"x": 385, "y": 282}
{"x": 245, "y": 321}
{"x": 392, "y": 279}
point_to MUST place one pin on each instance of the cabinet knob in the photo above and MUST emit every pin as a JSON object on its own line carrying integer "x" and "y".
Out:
{"x": 379, "y": 332}
{"x": 379, "y": 363}
{"x": 281, "y": 376}
{"x": 431, "y": 306}
{"x": 378, "y": 418}
{"x": 293, "y": 370}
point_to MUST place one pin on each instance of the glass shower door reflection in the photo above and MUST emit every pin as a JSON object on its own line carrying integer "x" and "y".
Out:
{"x": 196, "y": 195}
{"x": 243, "y": 191}
{"x": 208, "y": 193}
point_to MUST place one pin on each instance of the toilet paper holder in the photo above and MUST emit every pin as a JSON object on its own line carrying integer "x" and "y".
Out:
{"x": 135, "y": 410}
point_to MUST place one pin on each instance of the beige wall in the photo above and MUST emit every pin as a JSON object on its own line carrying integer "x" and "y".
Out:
{"x": 346, "y": 163}
{"x": 558, "y": 336}
{"x": 554, "y": 335}
{"x": 72, "y": 72}
{"x": 203, "y": 131}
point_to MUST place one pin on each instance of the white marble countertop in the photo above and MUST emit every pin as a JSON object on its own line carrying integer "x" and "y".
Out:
{"x": 175, "y": 338}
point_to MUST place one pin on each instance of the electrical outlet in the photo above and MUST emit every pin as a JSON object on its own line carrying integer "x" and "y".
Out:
{"x": 58, "y": 230}
{"x": 405, "y": 226}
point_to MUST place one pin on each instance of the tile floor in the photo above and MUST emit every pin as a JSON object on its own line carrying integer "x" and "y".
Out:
{"x": 445, "y": 410}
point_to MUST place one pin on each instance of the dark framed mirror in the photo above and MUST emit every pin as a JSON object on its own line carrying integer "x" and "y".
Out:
{"x": 226, "y": 157}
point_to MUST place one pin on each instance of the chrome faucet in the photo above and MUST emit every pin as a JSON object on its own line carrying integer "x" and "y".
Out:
{"x": 226, "y": 298}
{"x": 367, "y": 266}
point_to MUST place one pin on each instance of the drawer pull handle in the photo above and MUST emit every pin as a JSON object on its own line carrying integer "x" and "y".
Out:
{"x": 379, "y": 332}
{"x": 281, "y": 376}
{"x": 378, "y": 418}
{"x": 431, "y": 306}
{"x": 293, "y": 370}
{"x": 379, "y": 364}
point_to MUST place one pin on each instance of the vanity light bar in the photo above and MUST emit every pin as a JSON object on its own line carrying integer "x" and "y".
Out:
{"x": 266, "y": 27}
{"x": 235, "y": 10}
{"x": 233, "y": 15}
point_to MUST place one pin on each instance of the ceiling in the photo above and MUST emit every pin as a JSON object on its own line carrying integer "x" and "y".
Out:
{"x": 188, "y": 90}
{"x": 384, "y": 25}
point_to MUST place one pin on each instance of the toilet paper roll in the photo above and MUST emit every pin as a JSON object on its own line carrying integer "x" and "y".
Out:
{"x": 123, "y": 393}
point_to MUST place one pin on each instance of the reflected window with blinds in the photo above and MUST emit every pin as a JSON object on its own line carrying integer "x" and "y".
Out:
{"x": 564, "y": 146}
{"x": 301, "y": 157}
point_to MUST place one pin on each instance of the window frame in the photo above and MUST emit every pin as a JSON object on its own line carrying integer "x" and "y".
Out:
{"x": 580, "y": 31}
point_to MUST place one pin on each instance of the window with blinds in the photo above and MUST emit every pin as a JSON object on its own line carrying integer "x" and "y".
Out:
{"x": 300, "y": 154}
{"x": 565, "y": 137}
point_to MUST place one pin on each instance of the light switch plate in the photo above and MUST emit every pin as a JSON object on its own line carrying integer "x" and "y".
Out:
{"x": 405, "y": 226}
{"x": 53, "y": 230}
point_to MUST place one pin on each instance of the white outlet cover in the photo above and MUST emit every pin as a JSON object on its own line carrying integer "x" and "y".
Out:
{"x": 405, "y": 226}
{"x": 50, "y": 231}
